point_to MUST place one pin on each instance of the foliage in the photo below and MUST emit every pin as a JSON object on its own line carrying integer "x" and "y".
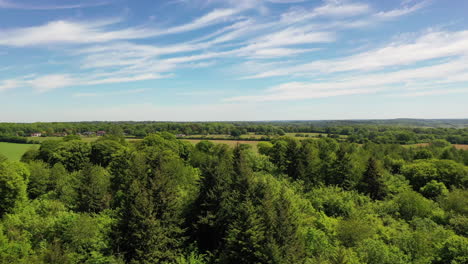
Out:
{"x": 163, "y": 200}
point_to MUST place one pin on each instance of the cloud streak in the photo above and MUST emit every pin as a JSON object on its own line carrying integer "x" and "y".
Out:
{"x": 433, "y": 45}
{"x": 6, "y": 4}
{"x": 106, "y": 52}
{"x": 72, "y": 32}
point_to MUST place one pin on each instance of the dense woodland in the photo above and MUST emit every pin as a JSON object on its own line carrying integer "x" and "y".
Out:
{"x": 397, "y": 131}
{"x": 163, "y": 200}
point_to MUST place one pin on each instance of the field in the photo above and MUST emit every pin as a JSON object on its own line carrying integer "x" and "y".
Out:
{"x": 457, "y": 146}
{"x": 231, "y": 143}
{"x": 14, "y": 151}
{"x": 41, "y": 139}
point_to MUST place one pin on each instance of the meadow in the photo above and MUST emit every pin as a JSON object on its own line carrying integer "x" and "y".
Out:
{"x": 14, "y": 151}
{"x": 42, "y": 139}
{"x": 231, "y": 143}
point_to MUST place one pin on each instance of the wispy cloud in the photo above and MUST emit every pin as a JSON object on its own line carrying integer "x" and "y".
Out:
{"x": 432, "y": 45}
{"x": 7, "y": 4}
{"x": 106, "y": 52}
{"x": 73, "y": 32}
{"x": 403, "y": 11}
{"x": 432, "y": 92}
{"x": 113, "y": 93}
{"x": 332, "y": 8}
{"x": 9, "y": 84}
{"x": 364, "y": 83}
{"x": 47, "y": 83}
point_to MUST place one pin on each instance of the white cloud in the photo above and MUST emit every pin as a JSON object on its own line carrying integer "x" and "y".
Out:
{"x": 276, "y": 52}
{"x": 47, "y": 83}
{"x": 9, "y": 84}
{"x": 286, "y": 1}
{"x": 107, "y": 51}
{"x": 70, "y": 32}
{"x": 214, "y": 17}
{"x": 401, "y": 11}
{"x": 50, "y": 82}
{"x": 113, "y": 93}
{"x": 367, "y": 83}
{"x": 15, "y": 5}
{"x": 292, "y": 36}
{"x": 118, "y": 79}
{"x": 330, "y": 9}
{"x": 433, "y": 92}
{"x": 433, "y": 45}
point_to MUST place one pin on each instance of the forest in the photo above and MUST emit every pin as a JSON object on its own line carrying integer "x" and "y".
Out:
{"x": 165, "y": 200}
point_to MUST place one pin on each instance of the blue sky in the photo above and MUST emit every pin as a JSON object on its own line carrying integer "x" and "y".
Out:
{"x": 206, "y": 60}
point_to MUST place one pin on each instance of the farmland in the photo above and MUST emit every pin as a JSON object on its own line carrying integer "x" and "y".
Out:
{"x": 457, "y": 146}
{"x": 42, "y": 139}
{"x": 231, "y": 143}
{"x": 14, "y": 151}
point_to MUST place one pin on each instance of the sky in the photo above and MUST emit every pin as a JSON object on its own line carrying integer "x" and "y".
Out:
{"x": 227, "y": 60}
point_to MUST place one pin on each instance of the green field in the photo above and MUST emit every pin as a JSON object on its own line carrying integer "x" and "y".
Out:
{"x": 14, "y": 151}
{"x": 41, "y": 139}
{"x": 231, "y": 143}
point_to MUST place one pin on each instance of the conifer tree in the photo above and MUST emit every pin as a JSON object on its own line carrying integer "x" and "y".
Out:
{"x": 150, "y": 229}
{"x": 93, "y": 189}
{"x": 245, "y": 241}
{"x": 341, "y": 170}
{"x": 372, "y": 181}
{"x": 210, "y": 211}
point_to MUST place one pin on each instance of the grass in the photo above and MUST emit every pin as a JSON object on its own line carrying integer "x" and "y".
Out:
{"x": 231, "y": 143}
{"x": 42, "y": 139}
{"x": 312, "y": 135}
{"x": 14, "y": 151}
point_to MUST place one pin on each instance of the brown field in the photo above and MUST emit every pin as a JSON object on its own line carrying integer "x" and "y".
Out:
{"x": 416, "y": 145}
{"x": 457, "y": 146}
{"x": 235, "y": 142}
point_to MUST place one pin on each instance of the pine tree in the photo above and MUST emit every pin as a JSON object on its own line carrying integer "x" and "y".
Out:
{"x": 290, "y": 248}
{"x": 341, "y": 170}
{"x": 245, "y": 241}
{"x": 93, "y": 189}
{"x": 150, "y": 229}
{"x": 372, "y": 181}
{"x": 210, "y": 211}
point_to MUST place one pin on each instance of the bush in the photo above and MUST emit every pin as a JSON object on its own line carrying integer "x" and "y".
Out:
{"x": 433, "y": 189}
{"x": 411, "y": 204}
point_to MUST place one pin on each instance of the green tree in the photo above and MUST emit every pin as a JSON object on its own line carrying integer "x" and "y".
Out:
{"x": 102, "y": 151}
{"x": 245, "y": 237}
{"x": 150, "y": 229}
{"x": 372, "y": 181}
{"x": 454, "y": 251}
{"x": 412, "y": 204}
{"x": 433, "y": 189}
{"x": 64, "y": 185}
{"x": 341, "y": 171}
{"x": 377, "y": 252}
{"x": 93, "y": 189}
{"x": 13, "y": 184}
{"x": 74, "y": 155}
{"x": 39, "y": 179}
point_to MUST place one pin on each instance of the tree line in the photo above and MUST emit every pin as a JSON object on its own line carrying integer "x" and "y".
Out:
{"x": 383, "y": 131}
